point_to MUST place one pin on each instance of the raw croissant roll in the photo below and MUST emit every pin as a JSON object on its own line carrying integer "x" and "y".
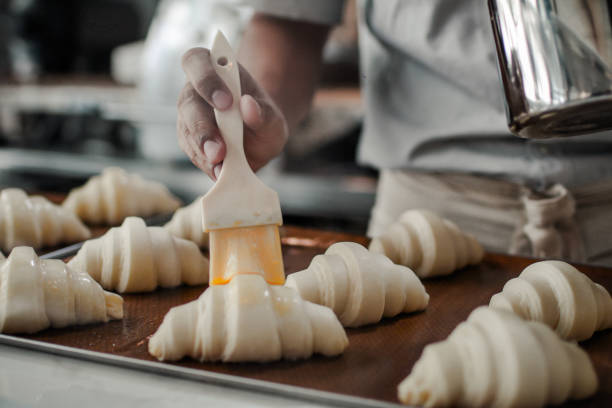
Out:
{"x": 248, "y": 320}
{"x": 37, "y": 293}
{"x": 186, "y": 223}
{"x": 498, "y": 359}
{"x": 36, "y": 222}
{"x": 137, "y": 258}
{"x": 428, "y": 244}
{"x": 560, "y": 296}
{"x": 358, "y": 285}
{"x": 110, "y": 197}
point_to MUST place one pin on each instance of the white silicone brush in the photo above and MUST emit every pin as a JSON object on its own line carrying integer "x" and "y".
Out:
{"x": 240, "y": 212}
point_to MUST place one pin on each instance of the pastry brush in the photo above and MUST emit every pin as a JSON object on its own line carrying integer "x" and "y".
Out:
{"x": 240, "y": 212}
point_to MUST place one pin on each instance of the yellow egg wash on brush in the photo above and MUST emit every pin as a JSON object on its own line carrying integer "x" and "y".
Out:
{"x": 246, "y": 251}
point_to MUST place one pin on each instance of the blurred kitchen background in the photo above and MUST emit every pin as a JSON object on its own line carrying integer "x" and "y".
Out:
{"x": 89, "y": 84}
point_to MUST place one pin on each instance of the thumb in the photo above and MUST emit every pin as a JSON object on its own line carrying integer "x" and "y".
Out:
{"x": 266, "y": 130}
{"x": 252, "y": 112}
{"x": 263, "y": 118}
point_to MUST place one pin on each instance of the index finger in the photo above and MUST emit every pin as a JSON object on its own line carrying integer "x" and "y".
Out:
{"x": 200, "y": 72}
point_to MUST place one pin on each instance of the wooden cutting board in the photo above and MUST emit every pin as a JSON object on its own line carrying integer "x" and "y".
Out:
{"x": 378, "y": 357}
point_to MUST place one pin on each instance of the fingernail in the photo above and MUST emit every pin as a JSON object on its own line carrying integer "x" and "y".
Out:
{"x": 221, "y": 99}
{"x": 211, "y": 149}
{"x": 217, "y": 171}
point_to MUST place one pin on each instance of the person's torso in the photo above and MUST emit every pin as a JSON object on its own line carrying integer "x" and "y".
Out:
{"x": 434, "y": 101}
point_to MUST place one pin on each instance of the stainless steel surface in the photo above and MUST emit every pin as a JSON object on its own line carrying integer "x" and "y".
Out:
{"x": 57, "y": 134}
{"x": 555, "y": 60}
{"x": 326, "y": 197}
{"x": 109, "y": 100}
{"x": 230, "y": 381}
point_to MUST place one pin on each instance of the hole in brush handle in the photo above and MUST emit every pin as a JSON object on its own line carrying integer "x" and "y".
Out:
{"x": 222, "y": 61}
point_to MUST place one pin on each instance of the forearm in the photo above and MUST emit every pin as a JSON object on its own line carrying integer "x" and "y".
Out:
{"x": 284, "y": 57}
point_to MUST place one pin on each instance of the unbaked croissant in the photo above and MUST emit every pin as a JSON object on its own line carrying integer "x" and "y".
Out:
{"x": 498, "y": 359}
{"x": 37, "y": 293}
{"x": 110, "y": 197}
{"x": 428, "y": 244}
{"x": 137, "y": 258}
{"x": 248, "y": 320}
{"x": 36, "y": 222}
{"x": 560, "y": 296}
{"x": 358, "y": 285}
{"x": 186, "y": 223}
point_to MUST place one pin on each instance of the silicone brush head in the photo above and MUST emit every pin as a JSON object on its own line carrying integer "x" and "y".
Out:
{"x": 245, "y": 251}
{"x": 240, "y": 213}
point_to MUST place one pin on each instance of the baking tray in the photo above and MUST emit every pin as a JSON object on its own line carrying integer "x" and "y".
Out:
{"x": 367, "y": 374}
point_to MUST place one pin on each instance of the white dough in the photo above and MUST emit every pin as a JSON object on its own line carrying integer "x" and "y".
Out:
{"x": 110, "y": 197}
{"x": 427, "y": 244}
{"x": 497, "y": 359}
{"x": 36, "y": 222}
{"x": 186, "y": 223}
{"x": 37, "y": 293}
{"x": 248, "y": 320}
{"x": 358, "y": 285}
{"x": 137, "y": 258}
{"x": 560, "y": 296}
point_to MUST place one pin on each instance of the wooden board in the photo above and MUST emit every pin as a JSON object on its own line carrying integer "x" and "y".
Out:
{"x": 378, "y": 357}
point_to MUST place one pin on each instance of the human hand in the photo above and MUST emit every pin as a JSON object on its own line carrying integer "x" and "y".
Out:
{"x": 265, "y": 127}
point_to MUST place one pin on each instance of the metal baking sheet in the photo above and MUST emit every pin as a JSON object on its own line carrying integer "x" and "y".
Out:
{"x": 208, "y": 377}
{"x": 367, "y": 374}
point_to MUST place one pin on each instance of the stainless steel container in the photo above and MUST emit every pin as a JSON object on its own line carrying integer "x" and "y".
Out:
{"x": 555, "y": 62}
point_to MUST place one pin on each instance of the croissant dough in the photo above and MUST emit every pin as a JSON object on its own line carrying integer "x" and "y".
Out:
{"x": 110, "y": 197}
{"x": 428, "y": 244}
{"x": 137, "y": 258}
{"x": 497, "y": 359}
{"x": 35, "y": 221}
{"x": 560, "y": 296}
{"x": 248, "y": 320}
{"x": 358, "y": 285}
{"x": 186, "y": 223}
{"x": 37, "y": 293}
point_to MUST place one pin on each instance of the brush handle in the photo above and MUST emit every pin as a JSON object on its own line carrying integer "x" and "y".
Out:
{"x": 229, "y": 121}
{"x": 238, "y": 198}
